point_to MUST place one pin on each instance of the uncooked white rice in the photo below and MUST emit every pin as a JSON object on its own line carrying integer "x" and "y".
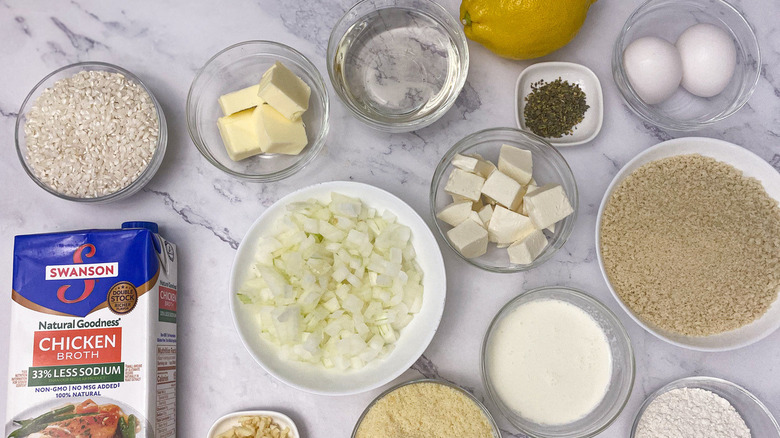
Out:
{"x": 92, "y": 134}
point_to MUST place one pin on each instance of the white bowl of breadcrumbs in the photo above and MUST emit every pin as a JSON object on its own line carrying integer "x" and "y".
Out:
{"x": 688, "y": 241}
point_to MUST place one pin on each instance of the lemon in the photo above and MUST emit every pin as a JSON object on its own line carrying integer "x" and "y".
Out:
{"x": 523, "y": 29}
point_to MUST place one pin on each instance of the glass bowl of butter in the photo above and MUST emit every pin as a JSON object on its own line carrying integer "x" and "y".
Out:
{"x": 504, "y": 199}
{"x": 258, "y": 110}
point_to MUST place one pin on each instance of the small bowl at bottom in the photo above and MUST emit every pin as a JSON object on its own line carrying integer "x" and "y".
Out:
{"x": 240, "y": 66}
{"x": 491, "y": 421}
{"x": 224, "y": 423}
{"x": 755, "y": 414}
{"x": 622, "y": 367}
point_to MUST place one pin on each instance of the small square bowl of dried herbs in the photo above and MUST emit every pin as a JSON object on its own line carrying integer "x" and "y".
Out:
{"x": 560, "y": 101}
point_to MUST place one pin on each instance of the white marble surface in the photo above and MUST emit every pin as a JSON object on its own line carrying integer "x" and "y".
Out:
{"x": 206, "y": 212}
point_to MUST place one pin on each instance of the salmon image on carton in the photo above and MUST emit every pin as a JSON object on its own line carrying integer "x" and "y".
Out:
{"x": 93, "y": 335}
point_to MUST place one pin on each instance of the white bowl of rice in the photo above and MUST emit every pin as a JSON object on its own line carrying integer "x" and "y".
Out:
{"x": 91, "y": 132}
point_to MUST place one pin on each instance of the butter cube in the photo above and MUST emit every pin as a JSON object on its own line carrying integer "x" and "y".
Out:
{"x": 464, "y": 184}
{"x": 506, "y": 226}
{"x": 469, "y": 239}
{"x": 503, "y": 190}
{"x": 525, "y": 251}
{"x": 239, "y": 135}
{"x": 485, "y": 213}
{"x": 284, "y": 91}
{"x": 547, "y": 205}
{"x": 455, "y": 213}
{"x": 277, "y": 134}
{"x": 516, "y": 163}
{"x": 240, "y": 100}
{"x": 473, "y": 164}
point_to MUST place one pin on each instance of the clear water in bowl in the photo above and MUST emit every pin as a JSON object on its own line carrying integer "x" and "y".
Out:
{"x": 396, "y": 64}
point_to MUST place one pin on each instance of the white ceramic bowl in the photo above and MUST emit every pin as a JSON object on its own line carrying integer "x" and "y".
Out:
{"x": 226, "y": 422}
{"x": 578, "y": 74}
{"x": 414, "y": 338}
{"x": 752, "y": 166}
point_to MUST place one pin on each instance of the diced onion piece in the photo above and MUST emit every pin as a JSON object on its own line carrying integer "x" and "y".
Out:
{"x": 336, "y": 283}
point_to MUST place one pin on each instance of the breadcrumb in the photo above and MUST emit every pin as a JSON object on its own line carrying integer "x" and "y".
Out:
{"x": 425, "y": 410}
{"x": 692, "y": 246}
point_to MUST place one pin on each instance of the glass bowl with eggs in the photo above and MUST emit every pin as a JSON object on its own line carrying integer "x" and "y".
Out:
{"x": 684, "y": 65}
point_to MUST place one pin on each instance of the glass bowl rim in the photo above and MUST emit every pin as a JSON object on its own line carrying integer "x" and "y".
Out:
{"x": 444, "y": 162}
{"x": 154, "y": 162}
{"x": 694, "y": 382}
{"x": 400, "y": 127}
{"x": 641, "y": 109}
{"x": 440, "y": 381}
{"x": 288, "y": 171}
{"x": 616, "y": 325}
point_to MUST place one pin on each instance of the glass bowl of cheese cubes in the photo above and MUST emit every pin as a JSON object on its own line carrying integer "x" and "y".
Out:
{"x": 504, "y": 200}
{"x": 258, "y": 110}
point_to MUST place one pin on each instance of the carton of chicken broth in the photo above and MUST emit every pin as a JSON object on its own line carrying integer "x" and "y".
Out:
{"x": 93, "y": 334}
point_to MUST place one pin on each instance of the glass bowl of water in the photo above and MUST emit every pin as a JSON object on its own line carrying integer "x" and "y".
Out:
{"x": 398, "y": 65}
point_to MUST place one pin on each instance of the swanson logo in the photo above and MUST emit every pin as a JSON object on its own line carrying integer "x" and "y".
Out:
{"x": 87, "y": 272}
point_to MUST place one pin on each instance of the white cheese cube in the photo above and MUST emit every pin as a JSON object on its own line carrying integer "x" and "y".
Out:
{"x": 547, "y": 205}
{"x": 465, "y": 162}
{"x": 474, "y": 163}
{"x": 455, "y": 213}
{"x": 464, "y": 184}
{"x": 239, "y": 134}
{"x": 284, "y": 91}
{"x": 517, "y": 163}
{"x": 504, "y": 190}
{"x": 477, "y": 205}
{"x": 458, "y": 198}
{"x": 469, "y": 239}
{"x": 485, "y": 213}
{"x": 277, "y": 134}
{"x": 240, "y": 100}
{"x": 528, "y": 189}
{"x": 474, "y": 216}
{"x": 506, "y": 226}
{"x": 525, "y": 251}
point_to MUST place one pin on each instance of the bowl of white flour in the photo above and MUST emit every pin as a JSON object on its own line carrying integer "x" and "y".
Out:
{"x": 704, "y": 407}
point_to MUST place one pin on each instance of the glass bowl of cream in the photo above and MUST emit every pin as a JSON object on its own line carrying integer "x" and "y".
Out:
{"x": 557, "y": 363}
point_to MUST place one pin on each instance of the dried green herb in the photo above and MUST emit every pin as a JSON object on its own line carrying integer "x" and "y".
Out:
{"x": 554, "y": 109}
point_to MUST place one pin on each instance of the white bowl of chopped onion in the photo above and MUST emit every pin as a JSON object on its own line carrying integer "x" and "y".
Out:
{"x": 337, "y": 288}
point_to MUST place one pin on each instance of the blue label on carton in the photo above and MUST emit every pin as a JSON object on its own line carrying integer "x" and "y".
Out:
{"x": 72, "y": 273}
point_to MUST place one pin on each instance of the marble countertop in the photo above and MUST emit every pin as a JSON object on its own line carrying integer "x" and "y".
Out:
{"x": 206, "y": 212}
